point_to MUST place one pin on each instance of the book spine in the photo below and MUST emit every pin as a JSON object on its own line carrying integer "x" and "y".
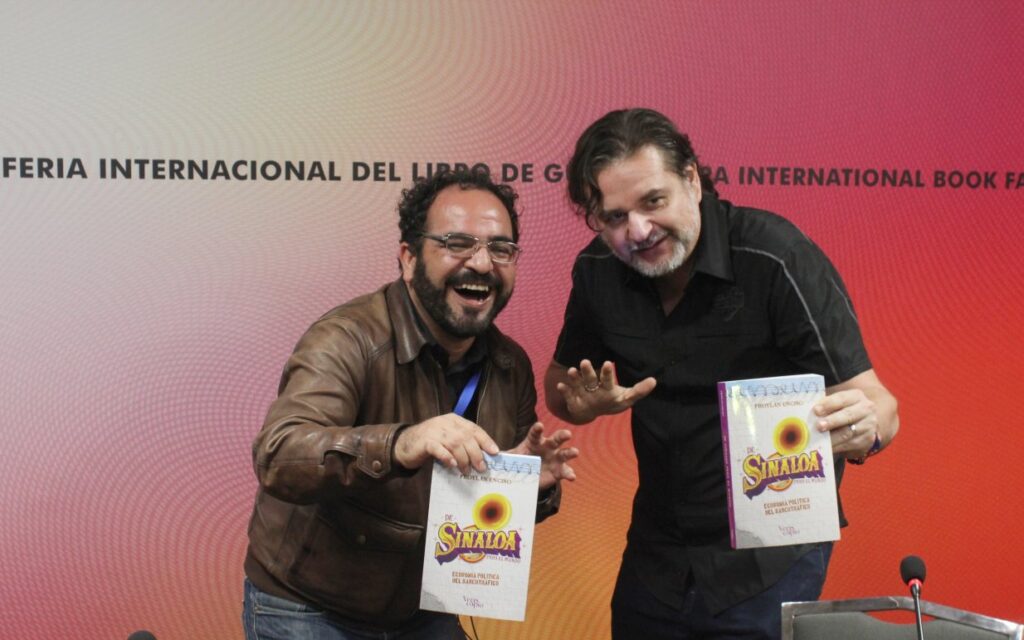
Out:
{"x": 723, "y": 410}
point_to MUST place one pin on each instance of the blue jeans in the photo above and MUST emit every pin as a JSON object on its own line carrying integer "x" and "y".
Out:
{"x": 636, "y": 613}
{"x": 267, "y": 617}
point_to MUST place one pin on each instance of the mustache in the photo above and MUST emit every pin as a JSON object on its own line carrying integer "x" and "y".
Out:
{"x": 648, "y": 242}
{"x": 472, "y": 277}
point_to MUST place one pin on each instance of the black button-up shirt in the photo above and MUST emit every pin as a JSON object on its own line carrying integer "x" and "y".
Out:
{"x": 763, "y": 300}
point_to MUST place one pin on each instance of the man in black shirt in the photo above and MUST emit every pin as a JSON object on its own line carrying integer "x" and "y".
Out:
{"x": 681, "y": 290}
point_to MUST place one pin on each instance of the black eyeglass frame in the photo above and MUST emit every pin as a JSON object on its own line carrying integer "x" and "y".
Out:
{"x": 515, "y": 249}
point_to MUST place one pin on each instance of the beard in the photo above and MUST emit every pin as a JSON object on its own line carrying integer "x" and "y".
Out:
{"x": 654, "y": 269}
{"x": 469, "y": 323}
{"x": 665, "y": 267}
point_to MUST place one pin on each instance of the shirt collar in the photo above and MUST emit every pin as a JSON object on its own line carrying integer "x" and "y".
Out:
{"x": 476, "y": 354}
{"x": 712, "y": 255}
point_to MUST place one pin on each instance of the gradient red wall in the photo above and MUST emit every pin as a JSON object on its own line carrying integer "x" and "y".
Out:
{"x": 144, "y": 323}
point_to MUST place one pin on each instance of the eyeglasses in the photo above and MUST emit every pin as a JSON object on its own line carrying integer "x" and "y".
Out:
{"x": 463, "y": 245}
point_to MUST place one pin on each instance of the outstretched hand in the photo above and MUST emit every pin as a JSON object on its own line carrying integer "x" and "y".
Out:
{"x": 450, "y": 439}
{"x": 589, "y": 394}
{"x": 554, "y": 457}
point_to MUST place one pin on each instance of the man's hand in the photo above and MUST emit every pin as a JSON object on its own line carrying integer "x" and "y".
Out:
{"x": 553, "y": 456}
{"x": 450, "y": 439}
{"x": 849, "y": 417}
{"x": 860, "y": 415}
{"x": 588, "y": 394}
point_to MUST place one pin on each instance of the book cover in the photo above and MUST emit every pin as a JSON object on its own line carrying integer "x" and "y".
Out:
{"x": 779, "y": 473}
{"x": 480, "y": 538}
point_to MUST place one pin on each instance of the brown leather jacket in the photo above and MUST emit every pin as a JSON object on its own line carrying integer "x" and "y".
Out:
{"x": 336, "y": 522}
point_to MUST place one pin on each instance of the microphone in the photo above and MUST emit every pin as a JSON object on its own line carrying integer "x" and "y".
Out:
{"x": 912, "y": 571}
{"x": 142, "y": 635}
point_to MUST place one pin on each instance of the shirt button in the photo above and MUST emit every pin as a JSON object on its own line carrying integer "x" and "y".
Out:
{"x": 376, "y": 466}
{"x": 361, "y": 539}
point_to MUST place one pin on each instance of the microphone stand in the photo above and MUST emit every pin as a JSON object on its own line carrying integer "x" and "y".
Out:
{"x": 915, "y": 590}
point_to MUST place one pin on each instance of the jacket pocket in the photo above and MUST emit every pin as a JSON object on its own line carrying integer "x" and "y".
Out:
{"x": 358, "y": 562}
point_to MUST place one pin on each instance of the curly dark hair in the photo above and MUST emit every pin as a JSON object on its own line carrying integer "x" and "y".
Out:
{"x": 417, "y": 199}
{"x": 620, "y": 134}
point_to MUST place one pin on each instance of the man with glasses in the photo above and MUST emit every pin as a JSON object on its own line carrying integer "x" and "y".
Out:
{"x": 375, "y": 391}
{"x": 681, "y": 290}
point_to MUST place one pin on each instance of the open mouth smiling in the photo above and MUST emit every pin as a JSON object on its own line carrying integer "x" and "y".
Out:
{"x": 473, "y": 292}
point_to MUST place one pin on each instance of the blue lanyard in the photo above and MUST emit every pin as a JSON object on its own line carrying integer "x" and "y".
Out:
{"x": 467, "y": 393}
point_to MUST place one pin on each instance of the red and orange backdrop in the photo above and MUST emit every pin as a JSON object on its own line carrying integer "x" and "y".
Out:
{"x": 145, "y": 318}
